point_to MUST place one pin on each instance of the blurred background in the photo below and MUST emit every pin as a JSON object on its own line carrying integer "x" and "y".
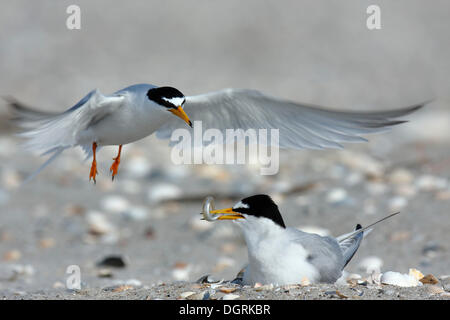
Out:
{"x": 318, "y": 52}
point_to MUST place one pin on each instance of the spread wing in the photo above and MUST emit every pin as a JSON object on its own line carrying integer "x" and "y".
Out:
{"x": 52, "y": 131}
{"x": 300, "y": 126}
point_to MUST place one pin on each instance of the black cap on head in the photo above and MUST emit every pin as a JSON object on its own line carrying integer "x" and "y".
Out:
{"x": 166, "y": 96}
{"x": 261, "y": 205}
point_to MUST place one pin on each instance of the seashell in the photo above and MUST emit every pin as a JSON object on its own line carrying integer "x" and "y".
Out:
{"x": 230, "y": 297}
{"x": 399, "y": 279}
{"x": 207, "y": 279}
{"x": 227, "y": 290}
{"x": 416, "y": 273}
{"x": 204, "y": 295}
{"x": 263, "y": 287}
{"x": 305, "y": 282}
{"x": 186, "y": 294}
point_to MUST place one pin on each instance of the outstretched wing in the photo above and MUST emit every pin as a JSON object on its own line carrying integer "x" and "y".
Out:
{"x": 300, "y": 126}
{"x": 47, "y": 132}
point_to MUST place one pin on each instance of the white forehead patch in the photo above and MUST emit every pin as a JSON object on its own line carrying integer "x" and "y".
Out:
{"x": 177, "y": 101}
{"x": 240, "y": 204}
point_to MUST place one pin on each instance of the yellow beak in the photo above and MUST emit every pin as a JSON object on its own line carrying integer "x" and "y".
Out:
{"x": 228, "y": 214}
{"x": 179, "y": 112}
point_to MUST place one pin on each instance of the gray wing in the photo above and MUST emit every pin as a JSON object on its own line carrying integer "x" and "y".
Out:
{"x": 47, "y": 131}
{"x": 300, "y": 126}
{"x": 349, "y": 245}
{"x": 324, "y": 253}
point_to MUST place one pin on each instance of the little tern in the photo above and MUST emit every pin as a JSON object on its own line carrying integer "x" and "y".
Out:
{"x": 137, "y": 111}
{"x": 283, "y": 255}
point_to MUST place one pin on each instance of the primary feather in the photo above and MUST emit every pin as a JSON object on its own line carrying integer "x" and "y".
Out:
{"x": 300, "y": 125}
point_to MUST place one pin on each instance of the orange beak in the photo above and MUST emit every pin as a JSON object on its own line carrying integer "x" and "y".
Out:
{"x": 179, "y": 112}
{"x": 227, "y": 214}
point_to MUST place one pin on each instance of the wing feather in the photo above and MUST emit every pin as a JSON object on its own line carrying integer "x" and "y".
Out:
{"x": 52, "y": 131}
{"x": 300, "y": 126}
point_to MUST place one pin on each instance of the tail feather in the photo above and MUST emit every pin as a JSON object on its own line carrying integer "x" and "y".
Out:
{"x": 349, "y": 246}
{"x": 46, "y": 132}
{"x": 350, "y": 242}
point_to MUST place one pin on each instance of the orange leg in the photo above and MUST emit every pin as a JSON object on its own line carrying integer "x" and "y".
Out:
{"x": 93, "y": 172}
{"x": 115, "y": 166}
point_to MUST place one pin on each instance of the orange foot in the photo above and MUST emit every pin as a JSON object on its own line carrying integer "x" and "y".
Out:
{"x": 94, "y": 171}
{"x": 115, "y": 166}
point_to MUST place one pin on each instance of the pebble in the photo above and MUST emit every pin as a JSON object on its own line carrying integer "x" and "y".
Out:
{"x": 446, "y": 284}
{"x": 137, "y": 166}
{"x": 98, "y": 223}
{"x": 429, "y": 279}
{"x": 114, "y": 203}
{"x": 406, "y": 191}
{"x": 399, "y": 279}
{"x": 47, "y": 243}
{"x": 162, "y": 192}
{"x": 337, "y": 196}
{"x": 224, "y": 263}
{"x": 135, "y": 213}
{"x": 58, "y": 285}
{"x": 397, "y": 203}
{"x": 362, "y": 163}
{"x": 181, "y": 273}
{"x": 11, "y": 179}
{"x": 12, "y": 255}
{"x": 431, "y": 250}
{"x": 112, "y": 261}
{"x": 105, "y": 273}
{"x": 371, "y": 264}
{"x": 430, "y": 183}
{"x": 11, "y": 272}
{"x": 376, "y": 188}
{"x": 130, "y": 186}
{"x": 401, "y": 176}
{"x": 435, "y": 289}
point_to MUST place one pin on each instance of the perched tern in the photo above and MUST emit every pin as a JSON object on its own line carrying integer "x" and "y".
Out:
{"x": 139, "y": 110}
{"x": 279, "y": 255}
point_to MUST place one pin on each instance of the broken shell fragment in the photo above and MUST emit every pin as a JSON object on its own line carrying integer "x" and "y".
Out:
{"x": 399, "y": 279}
